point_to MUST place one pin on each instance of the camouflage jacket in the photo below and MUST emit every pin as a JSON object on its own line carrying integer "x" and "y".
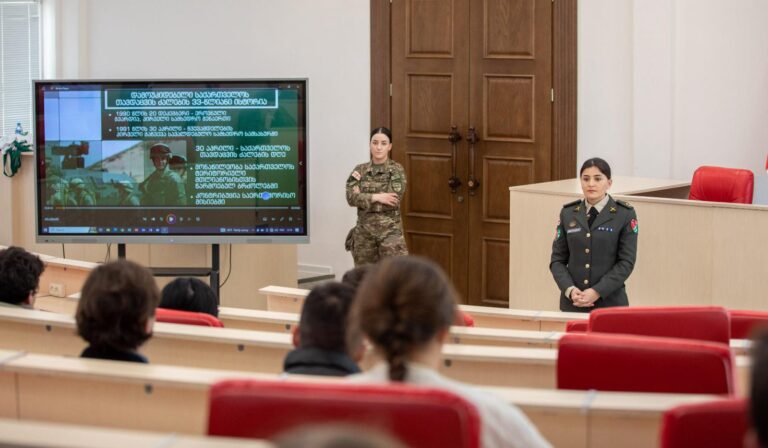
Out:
{"x": 367, "y": 179}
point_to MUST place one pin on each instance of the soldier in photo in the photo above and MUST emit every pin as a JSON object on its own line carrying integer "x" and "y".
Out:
{"x": 79, "y": 194}
{"x": 126, "y": 193}
{"x": 595, "y": 244}
{"x": 163, "y": 186}
{"x": 179, "y": 165}
{"x": 376, "y": 189}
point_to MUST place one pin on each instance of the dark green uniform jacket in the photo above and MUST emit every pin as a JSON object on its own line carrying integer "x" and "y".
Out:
{"x": 600, "y": 257}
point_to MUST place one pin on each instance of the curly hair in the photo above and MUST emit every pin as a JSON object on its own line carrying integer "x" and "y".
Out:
{"x": 116, "y": 302}
{"x": 19, "y": 274}
{"x": 402, "y": 304}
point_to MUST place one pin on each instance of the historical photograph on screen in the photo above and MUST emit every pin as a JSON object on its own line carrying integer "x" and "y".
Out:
{"x": 171, "y": 158}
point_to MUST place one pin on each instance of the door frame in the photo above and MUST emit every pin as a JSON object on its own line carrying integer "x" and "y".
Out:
{"x": 564, "y": 60}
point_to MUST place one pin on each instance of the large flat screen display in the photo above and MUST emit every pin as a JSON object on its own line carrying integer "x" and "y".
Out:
{"x": 171, "y": 161}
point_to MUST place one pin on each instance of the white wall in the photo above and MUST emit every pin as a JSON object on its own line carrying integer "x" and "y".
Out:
{"x": 325, "y": 41}
{"x": 668, "y": 85}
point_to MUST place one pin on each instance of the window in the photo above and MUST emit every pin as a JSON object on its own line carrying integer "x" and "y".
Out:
{"x": 19, "y": 62}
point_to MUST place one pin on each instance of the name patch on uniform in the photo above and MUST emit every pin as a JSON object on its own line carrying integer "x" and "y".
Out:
{"x": 577, "y": 229}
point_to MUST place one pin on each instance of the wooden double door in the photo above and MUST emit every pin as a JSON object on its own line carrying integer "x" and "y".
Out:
{"x": 471, "y": 115}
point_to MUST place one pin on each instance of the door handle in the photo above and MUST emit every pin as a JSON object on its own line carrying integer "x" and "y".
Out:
{"x": 472, "y": 182}
{"x": 454, "y": 137}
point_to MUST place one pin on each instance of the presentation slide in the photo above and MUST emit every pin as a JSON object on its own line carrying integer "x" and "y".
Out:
{"x": 183, "y": 158}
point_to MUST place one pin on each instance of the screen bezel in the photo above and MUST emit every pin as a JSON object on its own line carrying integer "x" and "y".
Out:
{"x": 170, "y": 238}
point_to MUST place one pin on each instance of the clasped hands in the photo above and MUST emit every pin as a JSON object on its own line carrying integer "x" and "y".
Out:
{"x": 583, "y": 299}
{"x": 390, "y": 199}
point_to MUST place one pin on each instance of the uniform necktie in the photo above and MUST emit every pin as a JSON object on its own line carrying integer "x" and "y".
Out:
{"x": 592, "y": 216}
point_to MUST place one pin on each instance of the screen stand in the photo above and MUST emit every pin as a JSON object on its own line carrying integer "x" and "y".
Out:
{"x": 210, "y": 272}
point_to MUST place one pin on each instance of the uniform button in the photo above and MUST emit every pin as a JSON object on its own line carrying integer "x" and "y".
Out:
{"x": 588, "y": 235}
{"x": 586, "y": 250}
{"x": 586, "y": 282}
{"x": 586, "y": 265}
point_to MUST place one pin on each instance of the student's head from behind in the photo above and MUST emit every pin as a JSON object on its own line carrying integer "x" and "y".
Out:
{"x": 19, "y": 276}
{"x": 403, "y": 306}
{"x": 758, "y": 397}
{"x": 117, "y": 306}
{"x": 189, "y": 294}
{"x": 355, "y": 276}
{"x": 323, "y": 322}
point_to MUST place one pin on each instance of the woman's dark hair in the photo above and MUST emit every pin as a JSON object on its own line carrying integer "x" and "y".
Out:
{"x": 382, "y": 130}
{"x": 598, "y": 163}
{"x": 115, "y": 304}
{"x": 758, "y": 396}
{"x": 324, "y": 317}
{"x": 19, "y": 274}
{"x": 402, "y": 304}
{"x": 355, "y": 276}
{"x": 189, "y": 294}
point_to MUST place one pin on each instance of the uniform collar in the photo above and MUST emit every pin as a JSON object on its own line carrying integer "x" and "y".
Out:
{"x": 599, "y": 206}
{"x": 383, "y": 167}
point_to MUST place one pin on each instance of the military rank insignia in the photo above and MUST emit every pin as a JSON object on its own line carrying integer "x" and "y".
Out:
{"x": 634, "y": 226}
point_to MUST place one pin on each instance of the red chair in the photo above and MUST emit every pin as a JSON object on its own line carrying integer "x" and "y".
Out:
{"x": 743, "y": 322}
{"x": 186, "y": 317}
{"x": 463, "y": 319}
{"x": 577, "y": 326}
{"x": 716, "y": 184}
{"x": 417, "y": 416}
{"x": 644, "y": 364}
{"x": 713, "y": 424}
{"x": 705, "y": 323}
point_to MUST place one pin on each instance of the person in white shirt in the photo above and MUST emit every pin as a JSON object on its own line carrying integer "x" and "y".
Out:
{"x": 405, "y": 307}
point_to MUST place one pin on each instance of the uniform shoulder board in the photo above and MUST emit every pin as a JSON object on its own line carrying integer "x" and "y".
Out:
{"x": 624, "y": 204}
{"x": 576, "y": 202}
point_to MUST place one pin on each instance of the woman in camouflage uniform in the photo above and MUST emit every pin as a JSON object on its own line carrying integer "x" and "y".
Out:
{"x": 376, "y": 189}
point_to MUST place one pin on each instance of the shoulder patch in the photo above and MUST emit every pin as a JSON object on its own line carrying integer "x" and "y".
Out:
{"x": 356, "y": 175}
{"x": 624, "y": 204}
{"x": 577, "y": 201}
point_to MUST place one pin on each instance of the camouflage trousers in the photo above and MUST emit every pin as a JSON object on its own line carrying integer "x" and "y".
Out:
{"x": 377, "y": 235}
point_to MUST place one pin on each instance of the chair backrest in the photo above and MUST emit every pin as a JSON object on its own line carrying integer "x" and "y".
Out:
{"x": 743, "y": 322}
{"x": 415, "y": 415}
{"x": 614, "y": 362}
{"x": 713, "y": 424}
{"x": 186, "y": 317}
{"x": 717, "y": 184}
{"x": 706, "y": 323}
{"x": 577, "y": 326}
{"x": 466, "y": 319}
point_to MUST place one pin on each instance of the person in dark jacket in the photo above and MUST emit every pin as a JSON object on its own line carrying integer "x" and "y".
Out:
{"x": 19, "y": 277}
{"x": 595, "y": 244}
{"x": 116, "y": 311}
{"x": 322, "y": 347}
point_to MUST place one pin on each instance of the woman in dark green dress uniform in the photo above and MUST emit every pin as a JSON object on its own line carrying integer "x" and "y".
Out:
{"x": 595, "y": 245}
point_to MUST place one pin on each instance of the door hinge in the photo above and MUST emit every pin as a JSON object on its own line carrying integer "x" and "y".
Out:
{"x": 551, "y": 95}
{"x": 390, "y": 89}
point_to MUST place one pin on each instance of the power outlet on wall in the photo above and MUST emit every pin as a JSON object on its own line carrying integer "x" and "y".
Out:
{"x": 57, "y": 290}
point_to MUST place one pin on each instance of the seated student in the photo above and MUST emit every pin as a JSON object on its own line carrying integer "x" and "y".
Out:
{"x": 355, "y": 276}
{"x": 758, "y": 397}
{"x": 19, "y": 277}
{"x": 189, "y": 294}
{"x": 405, "y": 307}
{"x": 116, "y": 311}
{"x": 321, "y": 337}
